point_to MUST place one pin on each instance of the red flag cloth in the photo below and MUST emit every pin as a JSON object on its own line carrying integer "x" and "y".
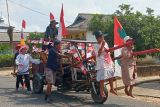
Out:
{"x": 146, "y": 51}
{"x": 51, "y": 17}
{"x": 62, "y": 28}
{"x": 119, "y": 32}
{"x": 119, "y": 46}
{"x": 23, "y": 24}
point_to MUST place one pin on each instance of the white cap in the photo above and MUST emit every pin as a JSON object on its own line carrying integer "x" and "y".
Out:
{"x": 127, "y": 38}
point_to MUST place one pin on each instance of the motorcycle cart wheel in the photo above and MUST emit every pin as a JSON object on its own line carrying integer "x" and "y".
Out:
{"x": 96, "y": 95}
{"x": 37, "y": 84}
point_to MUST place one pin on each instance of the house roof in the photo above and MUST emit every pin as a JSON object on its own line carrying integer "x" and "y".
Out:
{"x": 82, "y": 21}
{"x": 4, "y": 26}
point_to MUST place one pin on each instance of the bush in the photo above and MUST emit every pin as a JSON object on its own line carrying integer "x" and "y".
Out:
{"x": 6, "y": 60}
{"x": 5, "y": 48}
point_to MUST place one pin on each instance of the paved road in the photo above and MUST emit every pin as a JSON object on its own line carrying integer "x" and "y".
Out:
{"x": 9, "y": 98}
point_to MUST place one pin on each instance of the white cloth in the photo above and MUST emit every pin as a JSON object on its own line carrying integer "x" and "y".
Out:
{"x": 104, "y": 64}
{"x": 24, "y": 60}
{"x": 104, "y": 74}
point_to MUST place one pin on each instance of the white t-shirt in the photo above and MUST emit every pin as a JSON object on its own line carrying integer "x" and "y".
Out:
{"x": 103, "y": 61}
{"x": 24, "y": 60}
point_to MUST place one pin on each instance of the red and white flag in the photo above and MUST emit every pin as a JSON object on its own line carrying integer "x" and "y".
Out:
{"x": 62, "y": 31}
{"x": 23, "y": 24}
{"x": 22, "y": 42}
{"x": 51, "y": 17}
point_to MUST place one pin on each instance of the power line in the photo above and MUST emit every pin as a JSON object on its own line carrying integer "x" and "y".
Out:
{"x": 27, "y": 8}
{"x": 31, "y": 9}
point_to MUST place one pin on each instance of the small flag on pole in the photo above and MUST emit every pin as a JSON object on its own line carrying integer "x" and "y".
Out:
{"x": 23, "y": 24}
{"x": 51, "y": 17}
{"x": 22, "y": 42}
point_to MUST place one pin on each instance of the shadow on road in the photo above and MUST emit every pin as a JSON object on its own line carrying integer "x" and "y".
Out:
{"x": 150, "y": 85}
{"x": 59, "y": 99}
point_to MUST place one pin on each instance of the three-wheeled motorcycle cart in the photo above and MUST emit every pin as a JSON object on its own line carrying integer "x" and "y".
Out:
{"x": 74, "y": 79}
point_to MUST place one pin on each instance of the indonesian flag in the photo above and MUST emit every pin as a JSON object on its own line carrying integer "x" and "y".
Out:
{"x": 119, "y": 34}
{"x": 23, "y": 24}
{"x": 51, "y": 17}
{"x": 62, "y": 31}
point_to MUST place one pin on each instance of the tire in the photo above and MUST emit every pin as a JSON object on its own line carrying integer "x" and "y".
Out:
{"x": 37, "y": 84}
{"x": 96, "y": 96}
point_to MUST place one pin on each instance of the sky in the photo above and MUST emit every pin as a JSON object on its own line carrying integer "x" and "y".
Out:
{"x": 39, "y": 21}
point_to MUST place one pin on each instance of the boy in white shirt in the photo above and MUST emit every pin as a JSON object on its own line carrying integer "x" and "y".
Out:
{"x": 23, "y": 60}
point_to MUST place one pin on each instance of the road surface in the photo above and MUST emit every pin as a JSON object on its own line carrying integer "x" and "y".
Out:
{"x": 10, "y": 98}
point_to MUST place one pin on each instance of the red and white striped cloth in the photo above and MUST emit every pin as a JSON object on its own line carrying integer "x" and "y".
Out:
{"x": 77, "y": 58}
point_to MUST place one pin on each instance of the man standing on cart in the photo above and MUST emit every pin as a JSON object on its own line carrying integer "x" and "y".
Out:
{"x": 50, "y": 33}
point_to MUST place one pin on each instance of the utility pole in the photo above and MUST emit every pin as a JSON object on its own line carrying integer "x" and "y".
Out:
{"x": 7, "y": 12}
{"x": 10, "y": 28}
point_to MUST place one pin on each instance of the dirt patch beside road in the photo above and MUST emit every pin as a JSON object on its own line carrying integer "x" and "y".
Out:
{"x": 6, "y": 72}
{"x": 148, "y": 92}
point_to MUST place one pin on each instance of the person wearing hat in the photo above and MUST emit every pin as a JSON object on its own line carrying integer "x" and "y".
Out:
{"x": 15, "y": 66}
{"x": 50, "y": 33}
{"x": 128, "y": 66}
{"x": 104, "y": 64}
{"x": 15, "y": 56}
{"x": 53, "y": 65}
{"x": 23, "y": 60}
{"x": 51, "y": 30}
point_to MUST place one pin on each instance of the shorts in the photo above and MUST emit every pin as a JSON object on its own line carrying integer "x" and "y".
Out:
{"x": 50, "y": 76}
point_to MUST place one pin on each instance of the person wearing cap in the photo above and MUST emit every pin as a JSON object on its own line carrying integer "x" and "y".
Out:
{"x": 53, "y": 65}
{"x": 128, "y": 66}
{"x": 51, "y": 30}
{"x": 15, "y": 66}
{"x": 50, "y": 33}
{"x": 104, "y": 64}
{"x": 15, "y": 56}
{"x": 23, "y": 60}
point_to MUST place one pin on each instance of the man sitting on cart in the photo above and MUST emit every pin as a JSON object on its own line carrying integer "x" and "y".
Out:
{"x": 53, "y": 65}
{"x": 50, "y": 33}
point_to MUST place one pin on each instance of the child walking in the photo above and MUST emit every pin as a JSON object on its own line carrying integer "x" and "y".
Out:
{"x": 104, "y": 64}
{"x": 128, "y": 67}
{"x": 23, "y": 60}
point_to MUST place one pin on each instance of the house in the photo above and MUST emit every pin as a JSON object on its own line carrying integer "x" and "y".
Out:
{"x": 80, "y": 28}
{"x": 4, "y": 38}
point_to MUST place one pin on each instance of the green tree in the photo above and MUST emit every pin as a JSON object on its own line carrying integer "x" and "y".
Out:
{"x": 103, "y": 23}
{"x": 144, "y": 29}
{"x": 125, "y": 9}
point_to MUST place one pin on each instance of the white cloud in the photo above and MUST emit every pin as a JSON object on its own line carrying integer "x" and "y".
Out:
{"x": 34, "y": 28}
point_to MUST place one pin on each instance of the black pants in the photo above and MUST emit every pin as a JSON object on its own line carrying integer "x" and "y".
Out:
{"x": 27, "y": 81}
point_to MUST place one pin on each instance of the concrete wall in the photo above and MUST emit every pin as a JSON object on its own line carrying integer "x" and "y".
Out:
{"x": 149, "y": 60}
{"x": 149, "y": 70}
